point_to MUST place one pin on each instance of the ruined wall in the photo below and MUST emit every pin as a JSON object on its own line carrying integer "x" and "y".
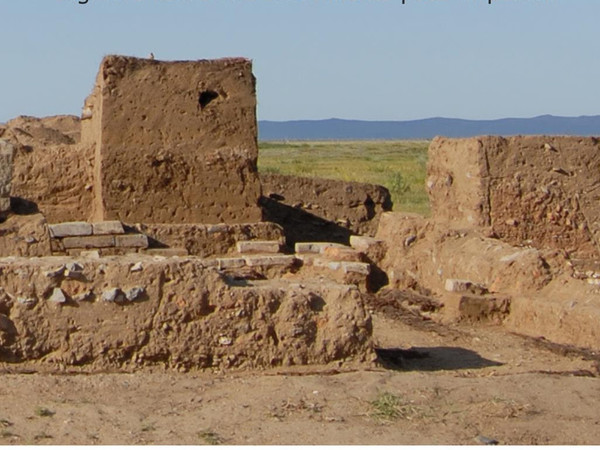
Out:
{"x": 52, "y": 173}
{"x": 423, "y": 255}
{"x": 526, "y": 190}
{"x": 175, "y": 141}
{"x": 210, "y": 240}
{"x": 171, "y": 313}
{"x": 319, "y": 209}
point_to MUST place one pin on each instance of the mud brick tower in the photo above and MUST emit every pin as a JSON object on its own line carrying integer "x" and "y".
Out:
{"x": 175, "y": 142}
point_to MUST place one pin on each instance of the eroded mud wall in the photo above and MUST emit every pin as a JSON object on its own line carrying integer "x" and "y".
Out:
{"x": 52, "y": 172}
{"x": 171, "y": 313}
{"x": 541, "y": 191}
{"x": 175, "y": 141}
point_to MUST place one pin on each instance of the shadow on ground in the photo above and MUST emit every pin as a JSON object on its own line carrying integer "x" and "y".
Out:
{"x": 432, "y": 358}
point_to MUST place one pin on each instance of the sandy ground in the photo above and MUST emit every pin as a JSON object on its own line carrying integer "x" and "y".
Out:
{"x": 459, "y": 385}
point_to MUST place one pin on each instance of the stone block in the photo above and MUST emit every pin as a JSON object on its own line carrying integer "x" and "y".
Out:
{"x": 356, "y": 267}
{"x": 270, "y": 260}
{"x": 477, "y": 307}
{"x": 167, "y": 252}
{"x": 4, "y": 204}
{"x": 58, "y": 296}
{"x": 315, "y": 247}
{"x": 453, "y": 285}
{"x": 65, "y": 229}
{"x": 230, "y": 263}
{"x": 108, "y": 227}
{"x": 131, "y": 241}
{"x": 88, "y": 242}
{"x": 257, "y": 247}
{"x": 363, "y": 243}
{"x": 342, "y": 254}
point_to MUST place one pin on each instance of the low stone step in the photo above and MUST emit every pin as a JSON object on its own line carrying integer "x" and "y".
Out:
{"x": 108, "y": 227}
{"x": 356, "y": 267}
{"x": 316, "y": 247}
{"x": 66, "y": 229}
{"x": 168, "y": 252}
{"x": 72, "y": 229}
{"x": 258, "y": 246}
{"x": 374, "y": 249}
{"x": 342, "y": 254}
{"x": 230, "y": 263}
{"x": 270, "y": 260}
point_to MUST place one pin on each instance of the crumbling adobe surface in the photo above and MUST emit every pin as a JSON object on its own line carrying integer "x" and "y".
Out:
{"x": 130, "y": 311}
{"x": 316, "y": 209}
{"x": 52, "y": 172}
{"x": 175, "y": 142}
{"x": 527, "y": 190}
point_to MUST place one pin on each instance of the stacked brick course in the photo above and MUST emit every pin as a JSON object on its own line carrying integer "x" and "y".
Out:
{"x": 107, "y": 238}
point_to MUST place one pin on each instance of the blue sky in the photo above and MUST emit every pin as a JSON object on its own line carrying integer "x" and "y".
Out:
{"x": 316, "y": 59}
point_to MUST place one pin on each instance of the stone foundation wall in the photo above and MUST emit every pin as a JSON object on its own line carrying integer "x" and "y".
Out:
{"x": 102, "y": 314}
{"x": 210, "y": 240}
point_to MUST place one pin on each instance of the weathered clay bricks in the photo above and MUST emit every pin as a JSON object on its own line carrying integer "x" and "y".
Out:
{"x": 68, "y": 229}
{"x": 88, "y": 242}
{"x": 132, "y": 241}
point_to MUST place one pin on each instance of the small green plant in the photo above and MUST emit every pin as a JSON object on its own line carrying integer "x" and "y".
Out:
{"x": 397, "y": 184}
{"x": 42, "y": 411}
{"x": 210, "y": 437}
{"x": 388, "y": 407}
{"x": 7, "y": 434}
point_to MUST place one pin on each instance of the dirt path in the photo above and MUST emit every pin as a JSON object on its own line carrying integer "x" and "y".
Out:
{"x": 455, "y": 384}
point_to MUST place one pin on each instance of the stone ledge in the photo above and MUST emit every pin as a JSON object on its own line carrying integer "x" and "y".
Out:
{"x": 131, "y": 240}
{"x": 69, "y": 229}
{"x": 88, "y": 241}
{"x": 257, "y": 246}
{"x": 108, "y": 227}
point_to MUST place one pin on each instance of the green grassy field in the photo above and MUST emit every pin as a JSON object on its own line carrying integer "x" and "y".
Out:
{"x": 397, "y": 165}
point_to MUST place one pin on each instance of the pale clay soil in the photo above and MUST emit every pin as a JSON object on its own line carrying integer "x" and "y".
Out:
{"x": 468, "y": 382}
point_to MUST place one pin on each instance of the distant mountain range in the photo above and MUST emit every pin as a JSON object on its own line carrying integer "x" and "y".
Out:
{"x": 340, "y": 129}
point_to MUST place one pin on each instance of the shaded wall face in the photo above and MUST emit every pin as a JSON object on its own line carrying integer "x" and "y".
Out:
{"x": 317, "y": 209}
{"x": 6, "y": 165}
{"x": 177, "y": 141}
{"x": 535, "y": 190}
